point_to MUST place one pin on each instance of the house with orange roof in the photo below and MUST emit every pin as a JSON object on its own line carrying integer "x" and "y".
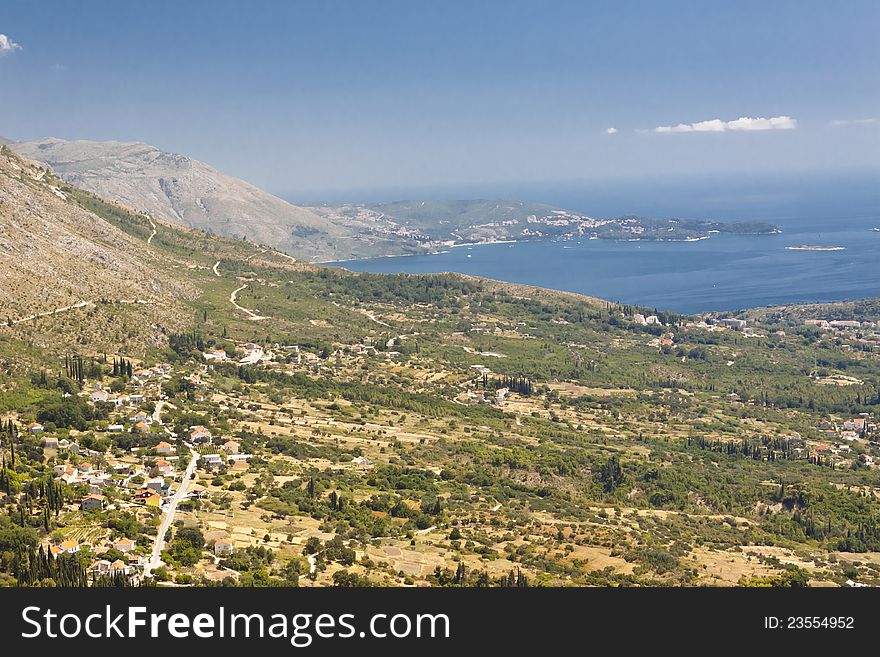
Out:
{"x": 199, "y": 434}
{"x": 69, "y": 547}
{"x": 164, "y": 467}
{"x": 124, "y": 545}
{"x": 148, "y": 498}
{"x": 223, "y": 547}
{"x": 92, "y": 502}
{"x": 118, "y": 567}
{"x": 164, "y": 448}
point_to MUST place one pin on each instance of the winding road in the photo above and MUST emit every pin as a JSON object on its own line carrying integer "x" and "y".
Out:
{"x": 250, "y": 313}
{"x": 150, "y": 238}
{"x": 81, "y": 304}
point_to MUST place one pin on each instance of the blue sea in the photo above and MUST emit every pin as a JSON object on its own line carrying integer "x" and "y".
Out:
{"x": 724, "y": 272}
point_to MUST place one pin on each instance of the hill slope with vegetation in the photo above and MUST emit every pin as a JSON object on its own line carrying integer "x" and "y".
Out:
{"x": 363, "y": 429}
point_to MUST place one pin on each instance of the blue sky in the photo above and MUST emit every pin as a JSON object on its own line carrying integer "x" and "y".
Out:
{"x": 304, "y": 98}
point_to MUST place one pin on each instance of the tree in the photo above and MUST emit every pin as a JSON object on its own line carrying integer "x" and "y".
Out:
{"x": 611, "y": 474}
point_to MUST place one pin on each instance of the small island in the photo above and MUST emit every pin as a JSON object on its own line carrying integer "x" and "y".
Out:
{"x": 811, "y": 247}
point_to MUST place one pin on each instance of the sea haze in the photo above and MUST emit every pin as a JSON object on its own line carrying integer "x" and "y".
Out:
{"x": 724, "y": 272}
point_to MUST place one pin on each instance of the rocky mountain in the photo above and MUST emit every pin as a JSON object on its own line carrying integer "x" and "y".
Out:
{"x": 59, "y": 262}
{"x": 191, "y": 193}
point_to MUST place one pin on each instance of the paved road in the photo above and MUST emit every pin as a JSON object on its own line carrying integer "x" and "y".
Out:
{"x": 157, "y": 413}
{"x": 170, "y": 509}
{"x": 312, "y": 566}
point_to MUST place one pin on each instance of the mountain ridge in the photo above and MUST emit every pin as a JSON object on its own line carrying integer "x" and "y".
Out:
{"x": 185, "y": 191}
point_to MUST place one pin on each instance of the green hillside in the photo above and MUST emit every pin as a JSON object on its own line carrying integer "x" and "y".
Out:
{"x": 432, "y": 430}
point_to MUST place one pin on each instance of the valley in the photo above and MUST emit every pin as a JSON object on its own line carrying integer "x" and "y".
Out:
{"x": 311, "y": 426}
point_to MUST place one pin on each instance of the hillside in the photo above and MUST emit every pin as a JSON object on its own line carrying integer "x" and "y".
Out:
{"x": 190, "y": 193}
{"x": 350, "y": 429}
{"x": 61, "y": 260}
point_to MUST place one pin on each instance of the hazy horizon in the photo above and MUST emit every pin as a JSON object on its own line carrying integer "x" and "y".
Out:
{"x": 305, "y": 98}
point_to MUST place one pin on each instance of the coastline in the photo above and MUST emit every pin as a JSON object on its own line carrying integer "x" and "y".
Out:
{"x": 459, "y": 245}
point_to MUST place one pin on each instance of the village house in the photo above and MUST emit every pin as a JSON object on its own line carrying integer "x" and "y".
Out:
{"x": 118, "y": 400}
{"x": 49, "y": 442}
{"x": 92, "y": 502}
{"x": 197, "y": 492}
{"x": 199, "y": 434}
{"x": 164, "y": 448}
{"x": 141, "y": 375}
{"x": 115, "y": 428}
{"x": 210, "y": 461}
{"x": 68, "y": 547}
{"x": 100, "y": 567}
{"x": 148, "y": 498}
{"x": 69, "y": 476}
{"x": 163, "y": 467}
{"x": 124, "y": 545}
{"x": 156, "y": 484}
{"x": 141, "y": 427}
{"x": 120, "y": 467}
{"x": 118, "y": 567}
{"x": 223, "y": 547}
{"x": 35, "y": 427}
{"x": 99, "y": 396}
{"x": 217, "y": 354}
{"x": 857, "y": 425}
{"x": 230, "y": 447}
{"x": 100, "y": 479}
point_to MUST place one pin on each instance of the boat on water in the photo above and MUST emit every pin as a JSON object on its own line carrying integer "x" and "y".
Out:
{"x": 814, "y": 247}
{"x": 876, "y": 230}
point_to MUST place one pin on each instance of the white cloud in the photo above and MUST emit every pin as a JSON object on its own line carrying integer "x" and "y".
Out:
{"x": 7, "y": 45}
{"x": 713, "y": 125}
{"x": 837, "y": 122}
{"x": 743, "y": 123}
{"x": 611, "y": 131}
